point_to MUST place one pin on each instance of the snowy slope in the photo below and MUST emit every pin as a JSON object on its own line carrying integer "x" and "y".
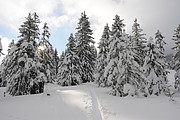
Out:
{"x": 128, "y": 108}
{"x": 87, "y": 102}
{"x": 65, "y": 103}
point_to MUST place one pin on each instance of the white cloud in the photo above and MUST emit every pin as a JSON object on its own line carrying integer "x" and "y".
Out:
{"x": 5, "y": 43}
{"x": 58, "y": 21}
{"x": 13, "y": 12}
{"x": 99, "y": 12}
{"x": 151, "y": 14}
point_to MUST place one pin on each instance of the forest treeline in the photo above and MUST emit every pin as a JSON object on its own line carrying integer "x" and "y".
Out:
{"x": 130, "y": 64}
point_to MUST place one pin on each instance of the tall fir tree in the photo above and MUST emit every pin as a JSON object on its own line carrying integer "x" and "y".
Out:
{"x": 46, "y": 53}
{"x": 69, "y": 74}
{"x": 115, "y": 52}
{"x": 131, "y": 80}
{"x": 139, "y": 42}
{"x": 84, "y": 41}
{"x": 153, "y": 69}
{"x": 176, "y": 56}
{"x": 25, "y": 70}
{"x": 161, "y": 53}
{"x": 101, "y": 62}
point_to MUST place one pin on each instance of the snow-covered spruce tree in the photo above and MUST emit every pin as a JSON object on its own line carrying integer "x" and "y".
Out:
{"x": 94, "y": 52}
{"x": 60, "y": 68}
{"x": 101, "y": 62}
{"x": 70, "y": 66}
{"x": 46, "y": 54}
{"x": 131, "y": 80}
{"x": 161, "y": 53}
{"x": 115, "y": 52}
{"x": 160, "y": 42}
{"x": 153, "y": 69}
{"x": 5, "y": 63}
{"x": 25, "y": 71}
{"x": 61, "y": 59}
{"x": 176, "y": 56}
{"x": 11, "y": 45}
{"x": 84, "y": 41}
{"x": 139, "y": 43}
{"x": 94, "y": 55}
{"x": 56, "y": 61}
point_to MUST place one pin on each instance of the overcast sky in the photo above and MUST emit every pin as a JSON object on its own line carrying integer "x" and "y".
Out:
{"x": 62, "y": 17}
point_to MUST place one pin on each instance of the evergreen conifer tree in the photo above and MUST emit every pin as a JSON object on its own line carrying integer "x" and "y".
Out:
{"x": 24, "y": 68}
{"x": 161, "y": 53}
{"x": 5, "y": 63}
{"x": 176, "y": 56}
{"x": 153, "y": 69}
{"x": 61, "y": 59}
{"x": 94, "y": 52}
{"x": 101, "y": 62}
{"x": 131, "y": 80}
{"x": 115, "y": 52}
{"x": 46, "y": 53}
{"x": 60, "y": 68}
{"x": 56, "y": 62}
{"x": 139, "y": 43}
{"x": 69, "y": 74}
{"x": 160, "y": 42}
{"x": 94, "y": 55}
{"x": 84, "y": 41}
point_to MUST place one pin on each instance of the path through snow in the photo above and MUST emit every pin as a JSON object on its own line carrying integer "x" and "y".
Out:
{"x": 65, "y": 103}
{"x": 97, "y": 111}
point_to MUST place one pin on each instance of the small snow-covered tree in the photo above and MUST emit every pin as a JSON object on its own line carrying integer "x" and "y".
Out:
{"x": 56, "y": 60}
{"x": 139, "y": 43}
{"x": 176, "y": 56}
{"x": 160, "y": 42}
{"x": 153, "y": 69}
{"x": 61, "y": 59}
{"x": 25, "y": 70}
{"x": 101, "y": 62}
{"x": 60, "y": 67}
{"x": 69, "y": 74}
{"x": 84, "y": 42}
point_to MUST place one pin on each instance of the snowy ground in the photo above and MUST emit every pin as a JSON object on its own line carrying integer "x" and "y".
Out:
{"x": 87, "y": 102}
